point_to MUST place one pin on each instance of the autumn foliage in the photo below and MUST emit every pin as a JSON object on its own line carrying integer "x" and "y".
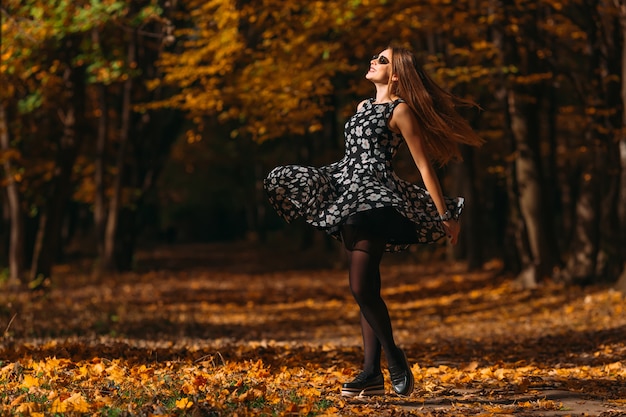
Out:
{"x": 225, "y": 338}
{"x": 125, "y": 121}
{"x": 125, "y": 124}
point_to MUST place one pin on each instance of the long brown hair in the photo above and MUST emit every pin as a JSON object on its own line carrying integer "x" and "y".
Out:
{"x": 442, "y": 127}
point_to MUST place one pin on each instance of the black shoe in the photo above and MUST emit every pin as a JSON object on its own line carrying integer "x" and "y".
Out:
{"x": 402, "y": 379}
{"x": 364, "y": 385}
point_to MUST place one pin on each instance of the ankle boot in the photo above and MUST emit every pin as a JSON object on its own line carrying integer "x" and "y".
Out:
{"x": 402, "y": 379}
{"x": 364, "y": 385}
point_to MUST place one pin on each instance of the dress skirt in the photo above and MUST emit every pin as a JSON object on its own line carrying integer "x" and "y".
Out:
{"x": 361, "y": 190}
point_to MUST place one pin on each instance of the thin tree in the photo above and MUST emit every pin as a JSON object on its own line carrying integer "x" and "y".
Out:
{"x": 16, "y": 216}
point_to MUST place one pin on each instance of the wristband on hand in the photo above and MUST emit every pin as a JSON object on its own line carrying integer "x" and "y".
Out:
{"x": 445, "y": 216}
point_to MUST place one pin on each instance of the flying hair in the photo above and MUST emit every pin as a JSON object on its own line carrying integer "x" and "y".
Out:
{"x": 442, "y": 127}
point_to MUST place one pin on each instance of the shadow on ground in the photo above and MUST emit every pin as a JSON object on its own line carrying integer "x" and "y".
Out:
{"x": 555, "y": 344}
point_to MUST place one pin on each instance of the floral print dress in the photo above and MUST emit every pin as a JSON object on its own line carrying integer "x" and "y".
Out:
{"x": 361, "y": 189}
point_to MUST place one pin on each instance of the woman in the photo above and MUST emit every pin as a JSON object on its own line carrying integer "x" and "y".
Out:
{"x": 362, "y": 202}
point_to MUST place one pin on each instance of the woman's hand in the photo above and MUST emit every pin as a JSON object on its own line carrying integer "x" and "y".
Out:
{"x": 452, "y": 228}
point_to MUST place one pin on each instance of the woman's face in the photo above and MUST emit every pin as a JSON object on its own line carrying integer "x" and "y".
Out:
{"x": 380, "y": 67}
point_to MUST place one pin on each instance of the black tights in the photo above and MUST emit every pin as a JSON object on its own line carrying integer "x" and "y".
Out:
{"x": 365, "y": 252}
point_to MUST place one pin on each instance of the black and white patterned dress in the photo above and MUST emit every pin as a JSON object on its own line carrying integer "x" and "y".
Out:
{"x": 361, "y": 188}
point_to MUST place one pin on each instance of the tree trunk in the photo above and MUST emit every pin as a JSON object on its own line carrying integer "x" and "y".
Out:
{"x": 126, "y": 239}
{"x": 621, "y": 205}
{"x": 553, "y": 215}
{"x": 595, "y": 243}
{"x": 622, "y": 151}
{"x": 536, "y": 247}
{"x": 471, "y": 241}
{"x": 620, "y": 285}
{"x": 581, "y": 263}
{"x": 99, "y": 209}
{"x": 61, "y": 184}
{"x": 541, "y": 256}
{"x": 614, "y": 239}
{"x": 110, "y": 234}
{"x": 515, "y": 255}
{"x": 16, "y": 239}
{"x": 621, "y": 282}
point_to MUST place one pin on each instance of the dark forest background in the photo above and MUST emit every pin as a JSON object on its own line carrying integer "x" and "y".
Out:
{"x": 129, "y": 124}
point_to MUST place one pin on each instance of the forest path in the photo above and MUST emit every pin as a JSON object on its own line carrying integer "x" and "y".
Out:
{"x": 234, "y": 330}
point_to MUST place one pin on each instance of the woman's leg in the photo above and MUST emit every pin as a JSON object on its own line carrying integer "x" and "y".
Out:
{"x": 364, "y": 254}
{"x": 371, "y": 348}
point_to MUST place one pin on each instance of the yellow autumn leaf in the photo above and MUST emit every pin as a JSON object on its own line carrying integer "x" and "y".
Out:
{"x": 244, "y": 396}
{"x": 82, "y": 372}
{"x": 116, "y": 373}
{"x": 78, "y": 403}
{"x": 74, "y": 403}
{"x": 26, "y": 408}
{"x": 97, "y": 368}
{"x": 30, "y": 381}
{"x": 447, "y": 377}
{"x": 499, "y": 374}
{"x": 615, "y": 367}
{"x": 310, "y": 392}
{"x": 496, "y": 409}
{"x": 59, "y": 406}
{"x": 184, "y": 403}
{"x": 18, "y": 400}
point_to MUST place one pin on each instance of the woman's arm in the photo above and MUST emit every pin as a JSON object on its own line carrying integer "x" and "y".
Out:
{"x": 403, "y": 121}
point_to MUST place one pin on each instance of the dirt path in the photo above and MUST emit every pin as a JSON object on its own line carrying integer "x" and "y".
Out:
{"x": 478, "y": 345}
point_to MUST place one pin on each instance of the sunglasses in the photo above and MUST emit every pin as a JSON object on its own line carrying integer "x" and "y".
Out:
{"x": 380, "y": 59}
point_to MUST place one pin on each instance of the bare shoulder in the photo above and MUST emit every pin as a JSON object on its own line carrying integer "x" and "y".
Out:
{"x": 361, "y": 104}
{"x": 402, "y": 109}
{"x": 401, "y": 117}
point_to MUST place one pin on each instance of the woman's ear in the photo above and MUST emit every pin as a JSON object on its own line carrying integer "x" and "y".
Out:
{"x": 394, "y": 77}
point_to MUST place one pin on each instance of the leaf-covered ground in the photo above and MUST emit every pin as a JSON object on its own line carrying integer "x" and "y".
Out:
{"x": 229, "y": 331}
